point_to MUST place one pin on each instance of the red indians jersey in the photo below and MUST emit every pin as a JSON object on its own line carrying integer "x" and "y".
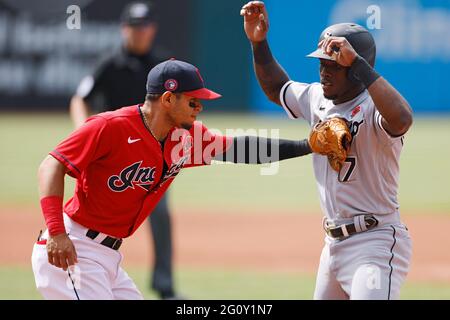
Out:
{"x": 122, "y": 171}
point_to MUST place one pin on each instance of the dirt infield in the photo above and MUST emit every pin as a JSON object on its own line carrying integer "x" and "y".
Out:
{"x": 263, "y": 241}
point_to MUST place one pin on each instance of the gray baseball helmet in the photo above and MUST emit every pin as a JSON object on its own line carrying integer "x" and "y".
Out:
{"x": 360, "y": 39}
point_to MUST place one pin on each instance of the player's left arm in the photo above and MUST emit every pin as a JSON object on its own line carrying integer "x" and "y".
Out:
{"x": 259, "y": 150}
{"x": 394, "y": 109}
{"x": 208, "y": 145}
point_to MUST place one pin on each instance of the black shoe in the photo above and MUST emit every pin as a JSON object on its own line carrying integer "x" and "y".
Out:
{"x": 171, "y": 296}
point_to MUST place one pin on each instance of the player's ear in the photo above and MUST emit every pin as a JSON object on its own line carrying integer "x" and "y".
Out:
{"x": 167, "y": 99}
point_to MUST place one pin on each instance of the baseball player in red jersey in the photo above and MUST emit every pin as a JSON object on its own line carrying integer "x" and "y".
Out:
{"x": 124, "y": 161}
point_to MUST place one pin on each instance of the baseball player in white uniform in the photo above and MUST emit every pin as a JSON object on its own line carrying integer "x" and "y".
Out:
{"x": 367, "y": 249}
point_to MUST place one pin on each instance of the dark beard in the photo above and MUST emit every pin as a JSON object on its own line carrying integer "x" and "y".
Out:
{"x": 334, "y": 97}
{"x": 186, "y": 126}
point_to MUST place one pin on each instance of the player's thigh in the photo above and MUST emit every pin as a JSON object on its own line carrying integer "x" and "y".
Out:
{"x": 327, "y": 286}
{"x": 87, "y": 281}
{"x": 383, "y": 277}
{"x": 124, "y": 287}
{"x": 370, "y": 282}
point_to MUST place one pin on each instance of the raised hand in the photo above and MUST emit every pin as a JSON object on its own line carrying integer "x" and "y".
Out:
{"x": 256, "y": 20}
{"x": 340, "y": 49}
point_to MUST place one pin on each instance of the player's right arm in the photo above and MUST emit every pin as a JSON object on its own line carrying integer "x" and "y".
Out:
{"x": 60, "y": 249}
{"x": 71, "y": 156}
{"x": 271, "y": 76}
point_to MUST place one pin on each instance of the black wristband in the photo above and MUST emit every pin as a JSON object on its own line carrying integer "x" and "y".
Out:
{"x": 362, "y": 71}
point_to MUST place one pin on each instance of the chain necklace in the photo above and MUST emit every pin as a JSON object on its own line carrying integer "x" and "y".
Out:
{"x": 147, "y": 125}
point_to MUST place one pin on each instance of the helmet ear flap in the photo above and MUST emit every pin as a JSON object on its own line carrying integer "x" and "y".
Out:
{"x": 369, "y": 55}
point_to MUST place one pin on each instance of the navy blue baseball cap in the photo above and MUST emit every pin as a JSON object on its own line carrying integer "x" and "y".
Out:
{"x": 178, "y": 77}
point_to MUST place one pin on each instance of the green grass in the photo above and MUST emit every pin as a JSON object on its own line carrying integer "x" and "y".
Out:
{"x": 424, "y": 172}
{"x": 25, "y": 140}
{"x": 24, "y": 143}
{"x": 233, "y": 284}
{"x": 17, "y": 283}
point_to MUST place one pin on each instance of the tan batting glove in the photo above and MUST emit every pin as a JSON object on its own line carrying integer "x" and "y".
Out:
{"x": 256, "y": 20}
{"x": 61, "y": 251}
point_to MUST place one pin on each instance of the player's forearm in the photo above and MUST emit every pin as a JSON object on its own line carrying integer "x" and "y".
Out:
{"x": 271, "y": 76}
{"x": 79, "y": 111}
{"x": 396, "y": 112}
{"x": 259, "y": 150}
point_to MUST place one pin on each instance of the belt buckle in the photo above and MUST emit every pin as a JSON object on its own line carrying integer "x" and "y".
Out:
{"x": 328, "y": 227}
{"x": 371, "y": 220}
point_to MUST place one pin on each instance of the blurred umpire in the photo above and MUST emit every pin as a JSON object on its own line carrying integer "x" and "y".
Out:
{"x": 118, "y": 81}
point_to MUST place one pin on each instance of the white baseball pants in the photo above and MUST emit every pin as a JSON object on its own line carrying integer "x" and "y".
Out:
{"x": 366, "y": 266}
{"x": 96, "y": 276}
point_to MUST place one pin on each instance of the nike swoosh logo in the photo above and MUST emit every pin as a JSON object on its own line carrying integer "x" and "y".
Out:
{"x": 130, "y": 141}
{"x": 322, "y": 108}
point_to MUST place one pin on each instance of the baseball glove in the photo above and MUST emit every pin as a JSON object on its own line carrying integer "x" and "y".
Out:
{"x": 331, "y": 138}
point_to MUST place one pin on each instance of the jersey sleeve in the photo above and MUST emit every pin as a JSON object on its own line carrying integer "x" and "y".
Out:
{"x": 83, "y": 146}
{"x": 206, "y": 144}
{"x": 296, "y": 99}
{"x": 381, "y": 133}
